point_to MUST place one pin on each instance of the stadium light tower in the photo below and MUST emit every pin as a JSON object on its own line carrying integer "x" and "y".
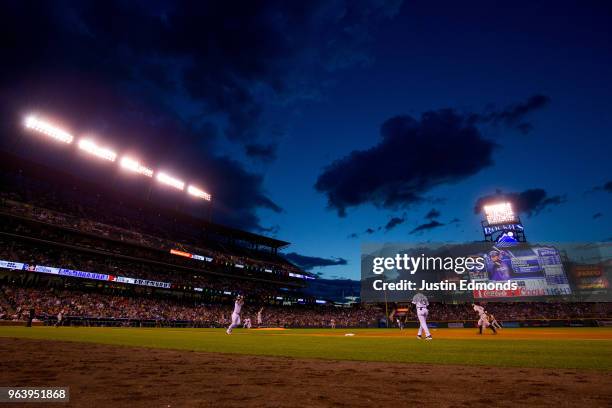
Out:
{"x": 90, "y": 147}
{"x": 41, "y": 126}
{"x": 196, "y": 192}
{"x": 170, "y": 181}
{"x": 133, "y": 165}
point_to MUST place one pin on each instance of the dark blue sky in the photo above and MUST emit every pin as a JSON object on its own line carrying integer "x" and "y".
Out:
{"x": 279, "y": 110}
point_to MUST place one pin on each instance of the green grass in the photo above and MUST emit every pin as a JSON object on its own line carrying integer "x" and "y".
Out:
{"x": 490, "y": 350}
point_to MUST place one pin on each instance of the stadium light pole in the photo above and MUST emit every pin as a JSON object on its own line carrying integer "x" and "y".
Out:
{"x": 92, "y": 148}
{"x": 34, "y": 123}
{"x": 134, "y": 166}
{"x": 170, "y": 181}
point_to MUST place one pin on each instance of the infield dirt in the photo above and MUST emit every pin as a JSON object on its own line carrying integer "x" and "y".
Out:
{"x": 114, "y": 376}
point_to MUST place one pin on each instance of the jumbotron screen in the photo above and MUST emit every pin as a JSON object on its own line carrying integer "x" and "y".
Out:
{"x": 537, "y": 270}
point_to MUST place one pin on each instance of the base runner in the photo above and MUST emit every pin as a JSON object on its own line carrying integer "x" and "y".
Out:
{"x": 493, "y": 321}
{"x": 421, "y": 303}
{"x": 483, "y": 321}
{"x": 236, "y": 314}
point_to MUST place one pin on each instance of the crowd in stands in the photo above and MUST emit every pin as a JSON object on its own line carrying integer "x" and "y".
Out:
{"x": 49, "y": 302}
{"x": 100, "y": 220}
{"x": 518, "y": 311}
{"x": 16, "y": 301}
{"x": 91, "y": 244}
{"x": 27, "y": 253}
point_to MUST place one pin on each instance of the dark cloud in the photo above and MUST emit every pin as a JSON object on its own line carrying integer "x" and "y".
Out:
{"x": 309, "y": 262}
{"x": 413, "y": 156}
{"x": 426, "y": 226}
{"x": 170, "y": 79}
{"x": 370, "y": 231}
{"x": 607, "y": 187}
{"x": 528, "y": 202}
{"x": 353, "y": 235}
{"x": 394, "y": 222}
{"x": 513, "y": 116}
{"x": 262, "y": 152}
{"x": 433, "y": 213}
{"x": 597, "y": 215}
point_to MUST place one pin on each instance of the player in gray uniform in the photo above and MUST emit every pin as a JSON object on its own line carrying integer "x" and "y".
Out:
{"x": 421, "y": 303}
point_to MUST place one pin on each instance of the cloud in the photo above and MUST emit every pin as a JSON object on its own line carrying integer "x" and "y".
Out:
{"x": 177, "y": 81}
{"x": 607, "y": 187}
{"x": 529, "y": 202}
{"x": 264, "y": 152}
{"x": 309, "y": 262}
{"x": 597, "y": 215}
{"x": 513, "y": 116}
{"x": 426, "y": 226}
{"x": 412, "y": 157}
{"x": 433, "y": 213}
{"x": 394, "y": 222}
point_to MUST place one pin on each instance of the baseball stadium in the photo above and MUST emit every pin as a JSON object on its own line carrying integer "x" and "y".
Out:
{"x": 193, "y": 213}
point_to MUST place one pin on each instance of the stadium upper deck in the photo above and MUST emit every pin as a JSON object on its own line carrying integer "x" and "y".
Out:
{"x": 46, "y": 194}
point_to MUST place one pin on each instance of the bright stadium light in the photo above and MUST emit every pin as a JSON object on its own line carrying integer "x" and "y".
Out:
{"x": 194, "y": 191}
{"x": 32, "y": 122}
{"x": 90, "y": 147}
{"x": 500, "y": 213}
{"x": 171, "y": 181}
{"x": 133, "y": 165}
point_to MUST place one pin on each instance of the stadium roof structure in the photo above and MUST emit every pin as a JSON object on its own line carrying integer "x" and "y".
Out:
{"x": 13, "y": 162}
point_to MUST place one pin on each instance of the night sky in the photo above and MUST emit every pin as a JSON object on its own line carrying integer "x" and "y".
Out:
{"x": 332, "y": 123}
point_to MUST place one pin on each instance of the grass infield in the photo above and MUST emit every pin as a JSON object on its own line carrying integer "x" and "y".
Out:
{"x": 571, "y": 348}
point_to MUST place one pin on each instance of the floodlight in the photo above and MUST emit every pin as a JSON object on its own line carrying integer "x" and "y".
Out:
{"x": 133, "y": 165}
{"x": 194, "y": 191}
{"x": 171, "y": 181}
{"x": 499, "y": 213}
{"x": 90, "y": 147}
{"x": 32, "y": 122}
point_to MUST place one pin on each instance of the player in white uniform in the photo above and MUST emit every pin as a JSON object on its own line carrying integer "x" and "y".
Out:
{"x": 421, "y": 303}
{"x": 483, "y": 321}
{"x": 236, "y": 314}
{"x": 247, "y": 323}
{"x": 260, "y": 317}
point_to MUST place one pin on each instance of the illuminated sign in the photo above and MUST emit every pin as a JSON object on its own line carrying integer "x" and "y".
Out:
{"x": 499, "y": 213}
{"x": 488, "y": 230}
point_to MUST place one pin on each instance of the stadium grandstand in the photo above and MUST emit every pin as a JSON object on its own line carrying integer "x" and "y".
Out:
{"x": 98, "y": 255}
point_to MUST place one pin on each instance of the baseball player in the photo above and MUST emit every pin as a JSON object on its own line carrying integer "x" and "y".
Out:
{"x": 493, "y": 322}
{"x": 247, "y": 323}
{"x": 421, "y": 303}
{"x": 260, "y": 317}
{"x": 236, "y": 314}
{"x": 483, "y": 321}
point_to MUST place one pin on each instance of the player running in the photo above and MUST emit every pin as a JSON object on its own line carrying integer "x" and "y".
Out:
{"x": 483, "y": 321}
{"x": 493, "y": 321}
{"x": 421, "y": 303}
{"x": 236, "y": 314}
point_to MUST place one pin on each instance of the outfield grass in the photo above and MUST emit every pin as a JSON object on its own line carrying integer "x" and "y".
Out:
{"x": 366, "y": 344}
